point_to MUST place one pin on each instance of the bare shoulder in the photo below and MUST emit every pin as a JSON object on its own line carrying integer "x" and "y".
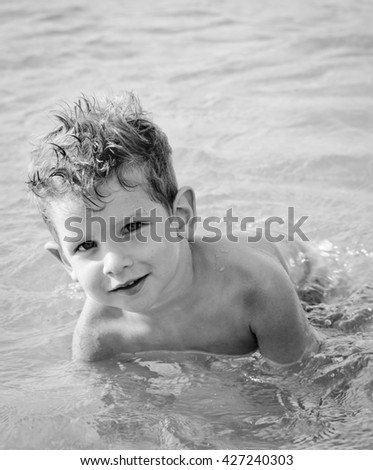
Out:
{"x": 276, "y": 316}
{"x": 92, "y": 340}
{"x": 279, "y": 322}
{"x": 271, "y": 249}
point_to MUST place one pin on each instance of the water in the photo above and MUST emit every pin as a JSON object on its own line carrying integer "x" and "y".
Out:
{"x": 267, "y": 105}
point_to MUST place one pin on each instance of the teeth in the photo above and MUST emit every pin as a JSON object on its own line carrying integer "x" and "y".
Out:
{"x": 127, "y": 284}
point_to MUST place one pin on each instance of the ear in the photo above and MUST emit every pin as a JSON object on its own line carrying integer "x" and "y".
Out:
{"x": 184, "y": 208}
{"x": 55, "y": 250}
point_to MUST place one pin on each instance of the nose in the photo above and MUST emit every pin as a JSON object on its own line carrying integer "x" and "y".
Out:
{"x": 114, "y": 263}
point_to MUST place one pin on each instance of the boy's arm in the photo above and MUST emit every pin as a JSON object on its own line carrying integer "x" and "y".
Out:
{"x": 103, "y": 332}
{"x": 92, "y": 339}
{"x": 279, "y": 323}
{"x": 85, "y": 345}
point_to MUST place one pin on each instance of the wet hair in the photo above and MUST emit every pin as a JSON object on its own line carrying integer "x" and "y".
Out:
{"x": 94, "y": 140}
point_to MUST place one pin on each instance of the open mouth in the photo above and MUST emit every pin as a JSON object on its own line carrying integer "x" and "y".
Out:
{"x": 131, "y": 287}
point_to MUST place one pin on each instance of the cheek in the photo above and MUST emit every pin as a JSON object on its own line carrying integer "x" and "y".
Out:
{"x": 167, "y": 256}
{"x": 160, "y": 256}
{"x": 89, "y": 276}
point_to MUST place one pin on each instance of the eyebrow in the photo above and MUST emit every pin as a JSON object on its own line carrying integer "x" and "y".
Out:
{"x": 129, "y": 219}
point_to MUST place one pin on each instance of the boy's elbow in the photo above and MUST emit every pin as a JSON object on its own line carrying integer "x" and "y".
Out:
{"x": 82, "y": 350}
{"x": 85, "y": 345}
{"x": 296, "y": 350}
{"x": 90, "y": 345}
{"x": 89, "y": 353}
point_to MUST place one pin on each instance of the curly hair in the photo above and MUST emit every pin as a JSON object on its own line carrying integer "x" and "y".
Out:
{"x": 95, "y": 140}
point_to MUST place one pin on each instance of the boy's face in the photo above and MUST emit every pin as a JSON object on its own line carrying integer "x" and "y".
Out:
{"x": 121, "y": 255}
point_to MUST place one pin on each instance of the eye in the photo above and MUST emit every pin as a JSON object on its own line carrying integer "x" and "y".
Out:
{"x": 132, "y": 227}
{"x": 85, "y": 246}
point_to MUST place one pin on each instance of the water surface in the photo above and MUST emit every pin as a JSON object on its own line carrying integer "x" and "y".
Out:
{"x": 267, "y": 105}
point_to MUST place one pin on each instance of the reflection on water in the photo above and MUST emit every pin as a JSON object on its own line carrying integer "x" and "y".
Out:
{"x": 267, "y": 105}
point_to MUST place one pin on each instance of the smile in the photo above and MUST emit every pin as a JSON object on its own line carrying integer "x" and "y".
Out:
{"x": 130, "y": 287}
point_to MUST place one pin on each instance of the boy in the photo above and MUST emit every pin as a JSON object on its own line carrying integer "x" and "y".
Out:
{"x": 104, "y": 183}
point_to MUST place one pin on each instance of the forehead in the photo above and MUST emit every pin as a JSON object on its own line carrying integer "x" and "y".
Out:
{"x": 117, "y": 201}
